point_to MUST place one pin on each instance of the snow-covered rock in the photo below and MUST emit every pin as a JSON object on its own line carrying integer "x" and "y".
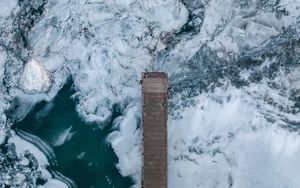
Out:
{"x": 35, "y": 78}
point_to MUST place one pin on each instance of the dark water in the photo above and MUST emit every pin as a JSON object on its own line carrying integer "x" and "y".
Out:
{"x": 86, "y": 158}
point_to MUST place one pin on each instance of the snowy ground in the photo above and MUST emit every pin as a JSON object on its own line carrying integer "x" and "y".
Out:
{"x": 234, "y": 72}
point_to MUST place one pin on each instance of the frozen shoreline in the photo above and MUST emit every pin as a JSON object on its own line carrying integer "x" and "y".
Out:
{"x": 44, "y": 155}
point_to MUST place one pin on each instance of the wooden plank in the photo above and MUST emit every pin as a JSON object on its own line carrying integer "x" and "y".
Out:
{"x": 153, "y": 83}
{"x": 154, "y": 116}
{"x": 154, "y": 80}
{"x": 154, "y": 90}
{"x": 158, "y": 135}
{"x": 154, "y": 75}
{"x": 153, "y": 95}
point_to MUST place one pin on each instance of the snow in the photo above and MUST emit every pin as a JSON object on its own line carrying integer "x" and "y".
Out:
{"x": 124, "y": 142}
{"x": 22, "y": 146}
{"x": 104, "y": 59}
{"x": 7, "y": 7}
{"x": 292, "y": 7}
{"x": 20, "y": 178}
{"x": 225, "y": 139}
{"x": 264, "y": 155}
{"x": 168, "y": 17}
{"x": 53, "y": 183}
{"x": 229, "y": 137}
{"x": 35, "y": 78}
{"x": 2, "y": 135}
{"x": 294, "y": 80}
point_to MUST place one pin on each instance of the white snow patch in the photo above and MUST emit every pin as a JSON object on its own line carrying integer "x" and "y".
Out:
{"x": 266, "y": 159}
{"x": 294, "y": 80}
{"x": 2, "y": 134}
{"x": 226, "y": 139}
{"x": 35, "y": 78}
{"x": 7, "y": 7}
{"x": 293, "y": 9}
{"x": 53, "y": 183}
{"x": 125, "y": 142}
{"x": 22, "y": 146}
{"x": 170, "y": 14}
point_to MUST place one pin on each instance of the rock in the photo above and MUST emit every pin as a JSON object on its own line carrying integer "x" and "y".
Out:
{"x": 35, "y": 78}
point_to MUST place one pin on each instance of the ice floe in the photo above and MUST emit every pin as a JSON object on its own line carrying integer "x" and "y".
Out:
{"x": 63, "y": 137}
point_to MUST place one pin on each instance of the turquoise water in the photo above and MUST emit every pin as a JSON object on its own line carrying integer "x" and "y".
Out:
{"x": 86, "y": 158}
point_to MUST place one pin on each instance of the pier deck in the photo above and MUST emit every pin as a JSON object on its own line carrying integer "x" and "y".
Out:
{"x": 155, "y": 116}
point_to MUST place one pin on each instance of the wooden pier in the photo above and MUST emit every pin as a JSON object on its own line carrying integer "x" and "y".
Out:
{"x": 154, "y": 128}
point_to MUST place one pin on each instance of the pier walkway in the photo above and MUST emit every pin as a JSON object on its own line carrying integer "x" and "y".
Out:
{"x": 154, "y": 128}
